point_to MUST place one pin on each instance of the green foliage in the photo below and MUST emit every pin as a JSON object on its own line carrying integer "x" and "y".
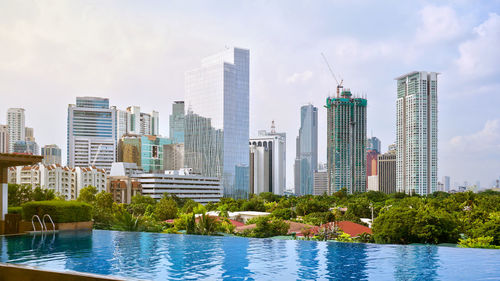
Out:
{"x": 254, "y": 204}
{"x": 364, "y": 238}
{"x": 20, "y": 194}
{"x": 344, "y": 237}
{"x": 395, "y": 226}
{"x": 139, "y": 204}
{"x": 319, "y": 218}
{"x": 189, "y": 206}
{"x": 125, "y": 221}
{"x": 166, "y": 209}
{"x": 60, "y": 211}
{"x": 284, "y": 214}
{"x": 87, "y": 194}
{"x": 102, "y": 210}
{"x": 15, "y": 210}
{"x": 311, "y": 205}
{"x": 268, "y": 226}
{"x": 479, "y": 242}
{"x": 191, "y": 225}
{"x": 207, "y": 225}
{"x": 40, "y": 194}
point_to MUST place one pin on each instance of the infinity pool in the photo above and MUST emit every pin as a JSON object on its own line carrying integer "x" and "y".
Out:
{"x": 153, "y": 256}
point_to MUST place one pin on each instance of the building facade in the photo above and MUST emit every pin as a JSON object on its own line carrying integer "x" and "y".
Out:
{"x": 90, "y": 176}
{"x": 446, "y": 183}
{"x": 91, "y": 133}
{"x": 216, "y": 129}
{"x": 120, "y": 183}
{"x": 16, "y": 126}
{"x": 417, "y": 133}
{"x": 177, "y": 122}
{"x": 26, "y": 147}
{"x": 320, "y": 182}
{"x": 173, "y": 156}
{"x": 4, "y": 139}
{"x": 29, "y": 134}
{"x": 371, "y": 162}
{"x": 51, "y": 154}
{"x": 387, "y": 172}
{"x": 373, "y": 143}
{"x": 346, "y": 143}
{"x": 182, "y": 184}
{"x": 307, "y": 149}
{"x": 268, "y": 162}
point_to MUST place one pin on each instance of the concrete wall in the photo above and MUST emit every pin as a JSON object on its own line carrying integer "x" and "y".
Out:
{"x": 12, "y": 272}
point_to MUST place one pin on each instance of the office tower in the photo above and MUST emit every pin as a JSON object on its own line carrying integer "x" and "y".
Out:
{"x": 374, "y": 143}
{"x": 320, "y": 182}
{"x": 268, "y": 152}
{"x": 26, "y": 147}
{"x": 217, "y": 119}
{"x": 145, "y": 151}
{"x": 129, "y": 149}
{"x": 177, "y": 122}
{"x": 387, "y": 172}
{"x": 173, "y": 156}
{"x": 91, "y": 133}
{"x": 346, "y": 142}
{"x": 16, "y": 126}
{"x": 140, "y": 123}
{"x": 29, "y": 134}
{"x": 296, "y": 167}
{"x": 134, "y": 120}
{"x": 51, "y": 154}
{"x": 4, "y": 139}
{"x": 307, "y": 148}
{"x": 371, "y": 162}
{"x": 372, "y": 183}
{"x": 122, "y": 118}
{"x": 417, "y": 133}
{"x": 446, "y": 183}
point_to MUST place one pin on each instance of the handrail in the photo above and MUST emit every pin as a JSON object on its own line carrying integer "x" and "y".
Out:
{"x": 53, "y": 225}
{"x": 39, "y": 221}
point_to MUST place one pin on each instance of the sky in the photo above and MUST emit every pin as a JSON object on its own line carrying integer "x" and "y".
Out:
{"x": 136, "y": 53}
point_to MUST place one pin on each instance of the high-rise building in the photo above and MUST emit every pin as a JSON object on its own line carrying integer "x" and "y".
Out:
{"x": 417, "y": 133}
{"x": 16, "y": 126}
{"x": 91, "y": 133}
{"x": 268, "y": 152}
{"x": 320, "y": 182}
{"x": 374, "y": 143}
{"x": 134, "y": 122}
{"x": 4, "y": 139}
{"x": 296, "y": 167}
{"x": 346, "y": 143}
{"x": 217, "y": 120}
{"x": 173, "y": 156}
{"x": 446, "y": 183}
{"x": 387, "y": 172}
{"x": 29, "y": 134}
{"x": 371, "y": 163}
{"x": 51, "y": 154}
{"x": 26, "y": 147}
{"x": 307, "y": 149}
{"x": 146, "y": 151}
{"x": 177, "y": 122}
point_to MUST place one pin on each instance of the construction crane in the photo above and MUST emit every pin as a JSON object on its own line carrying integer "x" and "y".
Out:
{"x": 339, "y": 85}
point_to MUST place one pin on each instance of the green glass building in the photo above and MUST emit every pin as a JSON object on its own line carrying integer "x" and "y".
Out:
{"x": 346, "y": 143}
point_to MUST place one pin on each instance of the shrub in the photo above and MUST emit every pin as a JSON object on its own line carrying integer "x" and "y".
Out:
{"x": 480, "y": 242}
{"x": 267, "y": 227}
{"x": 15, "y": 210}
{"x": 284, "y": 214}
{"x": 319, "y": 218}
{"x": 60, "y": 211}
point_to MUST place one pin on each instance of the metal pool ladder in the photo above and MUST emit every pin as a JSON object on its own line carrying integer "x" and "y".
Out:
{"x": 39, "y": 221}
{"x": 51, "y": 221}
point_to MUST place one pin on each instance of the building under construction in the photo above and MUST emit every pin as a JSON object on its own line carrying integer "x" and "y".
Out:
{"x": 346, "y": 143}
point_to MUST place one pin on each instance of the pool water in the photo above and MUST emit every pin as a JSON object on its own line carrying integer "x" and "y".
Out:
{"x": 155, "y": 256}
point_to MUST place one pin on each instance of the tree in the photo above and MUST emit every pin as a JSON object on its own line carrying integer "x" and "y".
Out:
{"x": 140, "y": 203}
{"x": 191, "y": 225}
{"x": 40, "y": 194}
{"x": 166, "y": 209}
{"x": 19, "y": 194}
{"x": 87, "y": 194}
{"x": 267, "y": 227}
{"x": 434, "y": 226}
{"x": 102, "y": 210}
{"x": 207, "y": 225}
{"x": 311, "y": 205}
{"x": 395, "y": 226}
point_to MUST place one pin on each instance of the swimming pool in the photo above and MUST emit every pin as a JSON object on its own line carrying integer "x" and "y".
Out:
{"x": 154, "y": 256}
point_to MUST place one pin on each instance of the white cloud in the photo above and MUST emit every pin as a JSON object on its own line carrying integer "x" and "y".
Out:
{"x": 480, "y": 56}
{"x": 438, "y": 24}
{"x": 487, "y": 140}
{"x": 299, "y": 77}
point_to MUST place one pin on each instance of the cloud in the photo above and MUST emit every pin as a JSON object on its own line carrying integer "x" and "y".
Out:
{"x": 487, "y": 140}
{"x": 480, "y": 56}
{"x": 437, "y": 24}
{"x": 299, "y": 77}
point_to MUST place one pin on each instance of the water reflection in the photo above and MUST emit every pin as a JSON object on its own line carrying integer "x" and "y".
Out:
{"x": 307, "y": 256}
{"x": 235, "y": 263}
{"x": 346, "y": 261}
{"x": 416, "y": 262}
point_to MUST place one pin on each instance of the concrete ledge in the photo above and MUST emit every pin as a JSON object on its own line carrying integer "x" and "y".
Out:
{"x": 15, "y": 272}
{"x": 25, "y": 226}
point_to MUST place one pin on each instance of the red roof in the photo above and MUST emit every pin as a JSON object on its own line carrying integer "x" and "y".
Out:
{"x": 351, "y": 228}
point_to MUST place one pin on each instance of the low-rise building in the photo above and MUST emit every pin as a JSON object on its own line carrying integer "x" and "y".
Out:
{"x": 90, "y": 176}
{"x": 120, "y": 183}
{"x": 181, "y": 183}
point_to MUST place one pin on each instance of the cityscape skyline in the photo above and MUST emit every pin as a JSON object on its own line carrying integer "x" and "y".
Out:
{"x": 460, "y": 125}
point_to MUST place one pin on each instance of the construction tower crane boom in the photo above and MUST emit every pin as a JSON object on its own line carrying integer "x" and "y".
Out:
{"x": 339, "y": 85}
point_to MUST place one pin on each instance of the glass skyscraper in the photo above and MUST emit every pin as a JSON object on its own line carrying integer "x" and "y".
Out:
{"x": 307, "y": 150}
{"x": 177, "y": 122}
{"x": 91, "y": 134}
{"x": 216, "y": 129}
{"x": 417, "y": 133}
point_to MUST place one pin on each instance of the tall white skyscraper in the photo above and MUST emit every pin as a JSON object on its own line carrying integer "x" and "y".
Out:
{"x": 4, "y": 139}
{"x": 16, "y": 123}
{"x": 217, "y": 119}
{"x": 417, "y": 133}
{"x": 91, "y": 133}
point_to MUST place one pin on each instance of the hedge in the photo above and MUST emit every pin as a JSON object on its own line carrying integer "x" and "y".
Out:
{"x": 60, "y": 211}
{"x": 14, "y": 210}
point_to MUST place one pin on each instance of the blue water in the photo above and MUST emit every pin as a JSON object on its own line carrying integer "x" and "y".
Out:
{"x": 154, "y": 256}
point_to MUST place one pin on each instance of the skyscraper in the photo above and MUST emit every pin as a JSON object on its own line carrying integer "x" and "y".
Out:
{"x": 417, "y": 133}
{"x": 91, "y": 133}
{"x": 268, "y": 152}
{"x": 306, "y": 161}
{"x": 29, "y": 134}
{"x": 177, "y": 122}
{"x": 216, "y": 129}
{"x": 4, "y": 139}
{"x": 387, "y": 172}
{"x": 16, "y": 126}
{"x": 137, "y": 122}
{"x": 446, "y": 183}
{"x": 374, "y": 143}
{"x": 346, "y": 143}
{"x": 51, "y": 154}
